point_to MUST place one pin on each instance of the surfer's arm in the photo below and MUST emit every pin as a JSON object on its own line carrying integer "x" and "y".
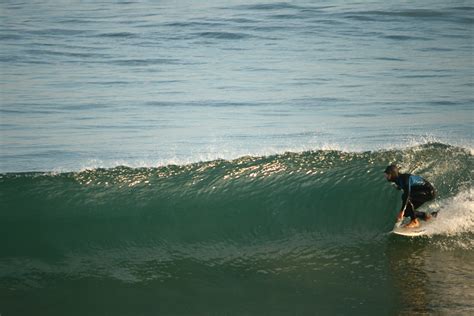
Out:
{"x": 405, "y": 199}
{"x": 400, "y": 215}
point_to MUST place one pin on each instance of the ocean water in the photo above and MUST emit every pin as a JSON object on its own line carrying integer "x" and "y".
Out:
{"x": 226, "y": 157}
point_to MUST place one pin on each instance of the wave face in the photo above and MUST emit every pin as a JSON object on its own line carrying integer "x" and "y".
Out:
{"x": 285, "y": 215}
{"x": 320, "y": 192}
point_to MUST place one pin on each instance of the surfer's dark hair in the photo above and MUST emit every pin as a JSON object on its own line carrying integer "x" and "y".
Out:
{"x": 392, "y": 170}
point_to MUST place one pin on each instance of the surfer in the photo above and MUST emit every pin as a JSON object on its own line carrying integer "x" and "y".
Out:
{"x": 416, "y": 191}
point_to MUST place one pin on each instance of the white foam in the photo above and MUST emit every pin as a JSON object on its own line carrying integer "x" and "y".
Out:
{"x": 456, "y": 215}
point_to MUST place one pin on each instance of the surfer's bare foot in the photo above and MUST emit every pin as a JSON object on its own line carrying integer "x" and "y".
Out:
{"x": 413, "y": 224}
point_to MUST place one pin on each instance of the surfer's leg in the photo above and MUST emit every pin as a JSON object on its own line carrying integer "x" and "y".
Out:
{"x": 418, "y": 200}
{"x": 410, "y": 211}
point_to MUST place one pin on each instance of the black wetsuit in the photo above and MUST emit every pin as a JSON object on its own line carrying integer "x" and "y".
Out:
{"x": 416, "y": 191}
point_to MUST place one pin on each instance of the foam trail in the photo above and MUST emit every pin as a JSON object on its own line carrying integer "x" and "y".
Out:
{"x": 456, "y": 215}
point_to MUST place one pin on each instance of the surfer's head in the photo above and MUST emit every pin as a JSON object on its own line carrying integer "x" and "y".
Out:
{"x": 391, "y": 172}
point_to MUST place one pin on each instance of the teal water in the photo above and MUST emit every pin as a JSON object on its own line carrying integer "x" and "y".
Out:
{"x": 146, "y": 84}
{"x": 226, "y": 157}
{"x": 284, "y": 234}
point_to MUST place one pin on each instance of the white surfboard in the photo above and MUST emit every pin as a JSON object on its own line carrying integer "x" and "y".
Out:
{"x": 421, "y": 230}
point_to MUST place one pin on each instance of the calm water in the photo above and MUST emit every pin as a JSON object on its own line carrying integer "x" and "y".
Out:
{"x": 151, "y": 83}
{"x": 112, "y": 116}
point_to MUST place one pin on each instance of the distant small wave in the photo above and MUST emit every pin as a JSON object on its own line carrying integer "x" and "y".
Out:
{"x": 57, "y": 32}
{"x": 144, "y": 62}
{"x": 118, "y": 35}
{"x": 6, "y": 37}
{"x": 39, "y": 52}
{"x": 422, "y": 14}
{"x": 406, "y": 38}
{"x": 223, "y": 35}
{"x": 268, "y": 6}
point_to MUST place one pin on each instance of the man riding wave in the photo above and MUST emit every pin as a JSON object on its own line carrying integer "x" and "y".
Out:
{"x": 416, "y": 191}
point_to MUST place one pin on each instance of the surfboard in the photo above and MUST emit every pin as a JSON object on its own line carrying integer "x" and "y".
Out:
{"x": 400, "y": 229}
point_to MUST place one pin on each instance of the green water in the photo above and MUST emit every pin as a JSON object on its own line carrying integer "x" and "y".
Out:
{"x": 292, "y": 234}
